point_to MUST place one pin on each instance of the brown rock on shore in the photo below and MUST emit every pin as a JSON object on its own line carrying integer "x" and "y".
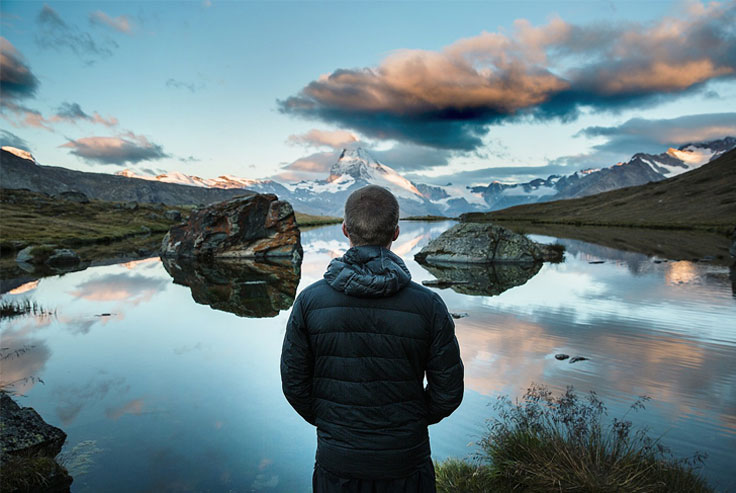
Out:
{"x": 255, "y": 226}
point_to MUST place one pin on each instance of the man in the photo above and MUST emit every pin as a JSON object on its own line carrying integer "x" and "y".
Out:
{"x": 358, "y": 345}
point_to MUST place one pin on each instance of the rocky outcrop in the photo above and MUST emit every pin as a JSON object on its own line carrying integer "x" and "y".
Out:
{"x": 47, "y": 254}
{"x": 243, "y": 287}
{"x": 256, "y": 226}
{"x": 732, "y": 249}
{"x": 29, "y": 446}
{"x": 485, "y": 243}
{"x": 74, "y": 196}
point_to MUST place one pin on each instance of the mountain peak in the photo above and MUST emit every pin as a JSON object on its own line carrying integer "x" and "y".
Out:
{"x": 355, "y": 162}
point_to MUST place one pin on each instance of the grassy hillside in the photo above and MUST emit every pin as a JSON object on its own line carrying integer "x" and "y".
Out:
{"x": 704, "y": 198}
{"x": 31, "y": 218}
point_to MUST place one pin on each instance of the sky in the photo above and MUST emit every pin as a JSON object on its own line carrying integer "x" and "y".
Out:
{"x": 462, "y": 92}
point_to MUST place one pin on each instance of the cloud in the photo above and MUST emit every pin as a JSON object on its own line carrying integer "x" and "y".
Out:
{"x": 638, "y": 134}
{"x": 72, "y": 112}
{"x": 120, "y": 23}
{"x": 449, "y": 99}
{"x": 24, "y": 116}
{"x": 128, "y": 148}
{"x": 16, "y": 79}
{"x": 56, "y": 34}
{"x": 336, "y": 139}
{"x": 312, "y": 167}
{"x": 180, "y": 84}
{"x": 12, "y": 140}
{"x": 409, "y": 157}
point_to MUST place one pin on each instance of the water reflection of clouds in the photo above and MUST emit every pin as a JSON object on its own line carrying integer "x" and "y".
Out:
{"x": 134, "y": 407}
{"x": 133, "y": 289}
{"x": 22, "y": 361}
{"x": 505, "y": 353}
{"x": 72, "y": 398}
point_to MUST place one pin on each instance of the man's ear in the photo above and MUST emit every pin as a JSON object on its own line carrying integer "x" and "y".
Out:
{"x": 345, "y": 230}
{"x": 396, "y": 233}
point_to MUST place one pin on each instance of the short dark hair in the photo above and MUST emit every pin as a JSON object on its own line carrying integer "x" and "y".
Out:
{"x": 371, "y": 216}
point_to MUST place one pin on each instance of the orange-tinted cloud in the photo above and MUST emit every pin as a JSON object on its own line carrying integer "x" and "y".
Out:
{"x": 128, "y": 148}
{"x": 449, "y": 98}
{"x": 336, "y": 139}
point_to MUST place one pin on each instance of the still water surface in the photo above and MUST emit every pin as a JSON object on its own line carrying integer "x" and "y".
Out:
{"x": 165, "y": 394}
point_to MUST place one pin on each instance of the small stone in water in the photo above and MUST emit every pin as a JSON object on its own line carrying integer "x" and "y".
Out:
{"x": 597, "y": 262}
{"x": 578, "y": 358}
{"x": 561, "y": 356}
{"x": 105, "y": 315}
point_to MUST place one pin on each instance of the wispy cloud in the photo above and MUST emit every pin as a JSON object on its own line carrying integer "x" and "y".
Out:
{"x": 180, "y": 84}
{"x": 56, "y": 34}
{"x": 12, "y": 140}
{"x": 450, "y": 98}
{"x": 72, "y": 112}
{"x": 336, "y": 139}
{"x": 120, "y": 150}
{"x": 120, "y": 23}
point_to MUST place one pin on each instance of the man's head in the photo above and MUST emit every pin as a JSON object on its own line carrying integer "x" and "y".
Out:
{"x": 371, "y": 217}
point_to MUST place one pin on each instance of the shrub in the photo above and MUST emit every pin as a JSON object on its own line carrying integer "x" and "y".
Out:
{"x": 560, "y": 443}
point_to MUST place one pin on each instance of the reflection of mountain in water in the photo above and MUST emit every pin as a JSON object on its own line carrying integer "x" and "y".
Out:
{"x": 483, "y": 279}
{"x": 243, "y": 287}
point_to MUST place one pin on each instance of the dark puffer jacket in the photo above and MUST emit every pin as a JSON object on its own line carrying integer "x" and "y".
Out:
{"x": 358, "y": 344}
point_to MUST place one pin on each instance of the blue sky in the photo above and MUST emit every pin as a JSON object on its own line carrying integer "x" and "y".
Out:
{"x": 471, "y": 92}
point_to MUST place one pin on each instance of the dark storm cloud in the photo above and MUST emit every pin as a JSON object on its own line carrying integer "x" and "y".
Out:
{"x": 129, "y": 148}
{"x": 12, "y": 140}
{"x": 449, "y": 99}
{"x": 16, "y": 79}
{"x": 56, "y": 34}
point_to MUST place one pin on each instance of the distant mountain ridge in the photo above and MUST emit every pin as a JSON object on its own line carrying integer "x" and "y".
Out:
{"x": 704, "y": 198}
{"x": 355, "y": 168}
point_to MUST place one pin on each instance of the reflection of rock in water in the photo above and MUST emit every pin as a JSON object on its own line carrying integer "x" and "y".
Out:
{"x": 483, "y": 279}
{"x": 244, "y": 287}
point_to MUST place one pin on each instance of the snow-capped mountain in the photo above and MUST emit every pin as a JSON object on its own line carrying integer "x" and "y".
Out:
{"x": 640, "y": 169}
{"x": 356, "y": 168}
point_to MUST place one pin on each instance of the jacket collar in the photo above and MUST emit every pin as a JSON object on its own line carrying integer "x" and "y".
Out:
{"x": 368, "y": 271}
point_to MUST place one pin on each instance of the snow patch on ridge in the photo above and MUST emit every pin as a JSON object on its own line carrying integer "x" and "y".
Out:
{"x": 19, "y": 152}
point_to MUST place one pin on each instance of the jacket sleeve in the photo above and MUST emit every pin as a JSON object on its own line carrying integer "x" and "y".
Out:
{"x": 444, "y": 391}
{"x": 297, "y": 363}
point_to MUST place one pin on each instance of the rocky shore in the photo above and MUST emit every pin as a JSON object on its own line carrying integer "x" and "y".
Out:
{"x": 29, "y": 447}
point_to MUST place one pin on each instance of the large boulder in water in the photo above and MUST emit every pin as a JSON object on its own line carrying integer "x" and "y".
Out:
{"x": 256, "y": 226}
{"x": 484, "y": 243}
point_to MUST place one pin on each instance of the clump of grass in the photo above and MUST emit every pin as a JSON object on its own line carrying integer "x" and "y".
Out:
{"x": 17, "y": 308}
{"x": 21, "y": 473}
{"x": 561, "y": 443}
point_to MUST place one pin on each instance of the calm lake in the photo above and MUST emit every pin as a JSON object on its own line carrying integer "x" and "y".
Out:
{"x": 159, "y": 392}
